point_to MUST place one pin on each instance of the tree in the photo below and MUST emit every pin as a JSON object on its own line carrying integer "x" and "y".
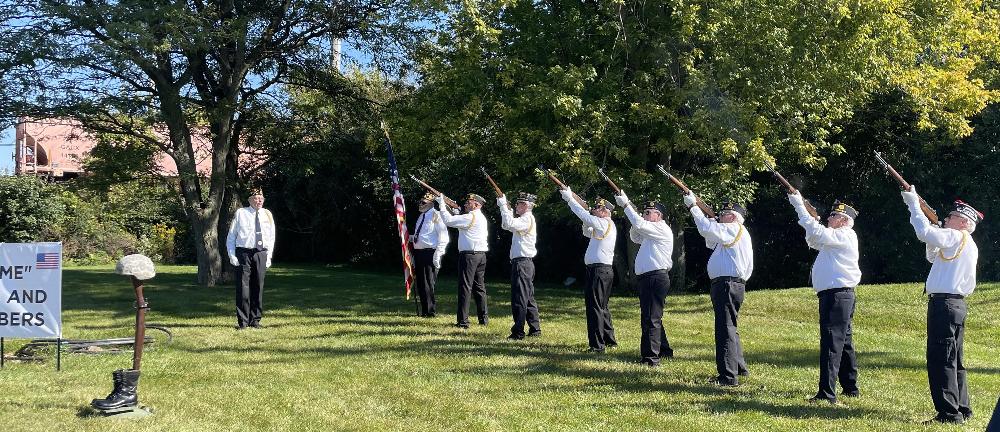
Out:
{"x": 163, "y": 72}
{"x": 712, "y": 89}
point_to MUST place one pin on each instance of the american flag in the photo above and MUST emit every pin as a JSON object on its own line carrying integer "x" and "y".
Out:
{"x": 400, "y": 206}
{"x": 49, "y": 260}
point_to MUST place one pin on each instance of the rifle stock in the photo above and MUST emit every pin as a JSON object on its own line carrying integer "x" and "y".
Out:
{"x": 494, "y": 184}
{"x": 561, "y": 185}
{"x": 903, "y": 185}
{"x": 448, "y": 201}
{"x": 791, "y": 191}
{"x": 686, "y": 190}
{"x": 614, "y": 187}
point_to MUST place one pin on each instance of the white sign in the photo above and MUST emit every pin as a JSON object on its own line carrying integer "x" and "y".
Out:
{"x": 30, "y": 290}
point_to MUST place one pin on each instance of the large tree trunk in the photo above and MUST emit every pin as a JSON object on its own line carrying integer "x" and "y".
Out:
{"x": 206, "y": 244}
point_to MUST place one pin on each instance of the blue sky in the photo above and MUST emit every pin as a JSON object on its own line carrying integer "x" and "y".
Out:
{"x": 7, "y": 150}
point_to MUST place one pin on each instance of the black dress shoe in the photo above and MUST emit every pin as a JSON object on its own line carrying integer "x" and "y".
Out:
{"x": 817, "y": 399}
{"x": 940, "y": 419}
{"x": 743, "y": 373}
{"x": 851, "y": 394}
{"x": 535, "y": 333}
{"x": 596, "y": 350}
{"x": 240, "y": 327}
{"x": 462, "y": 326}
{"x": 515, "y": 337}
{"x": 611, "y": 345}
{"x": 256, "y": 325}
{"x": 722, "y": 383}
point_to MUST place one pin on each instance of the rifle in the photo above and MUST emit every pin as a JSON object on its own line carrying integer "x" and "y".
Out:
{"x": 683, "y": 187}
{"x": 614, "y": 187}
{"x": 448, "y": 201}
{"x": 791, "y": 191}
{"x": 494, "y": 184}
{"x": 561, "y": 185}
{"x": 924, "y": 207}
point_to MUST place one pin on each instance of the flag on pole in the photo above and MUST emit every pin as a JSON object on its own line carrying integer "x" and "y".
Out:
{"x": 400, "y": 209}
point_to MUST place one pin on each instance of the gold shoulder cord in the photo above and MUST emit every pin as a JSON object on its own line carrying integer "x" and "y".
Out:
{"x": 530, "y": 227}
{"x": 738, "y": 235}
{"x": 473, "y": 222}
{"x": 606, "y": 232}
{"x": 957, "y": 253}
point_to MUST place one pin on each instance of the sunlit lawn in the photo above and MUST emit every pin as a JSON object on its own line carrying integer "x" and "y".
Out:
{"x": 342, "y": 350}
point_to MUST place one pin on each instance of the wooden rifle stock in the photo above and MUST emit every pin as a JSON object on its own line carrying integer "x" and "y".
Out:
{"x": 561, "y": 186}
{"x": 683, "y": 187}
{"x": 494, "y": 184}
{"x": 924, "y": 207}
{"x": 614, "y": 187}
{"x": 791, "y": 191}
{"x": 448, "y": 201}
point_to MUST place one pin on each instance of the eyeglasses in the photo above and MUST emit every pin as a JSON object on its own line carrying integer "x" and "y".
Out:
{"x": 648, "y": 212}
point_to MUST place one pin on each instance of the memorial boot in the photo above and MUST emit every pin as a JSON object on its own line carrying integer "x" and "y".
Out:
{"x": 127, "y": 394}
{"x": 116, "y": 377}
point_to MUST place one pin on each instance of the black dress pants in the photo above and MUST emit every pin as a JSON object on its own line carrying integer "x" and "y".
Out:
{"x": 522, "y": 297}
{"x": 250, "y": 286}
{"x": 727, "y": 297}
{"x": 945, "y": 371}
{"x": 653, "y": 288}
{"x": 426, "y": 275}
{"x": 836, "y": 346}
{"x": 597, "y": 291}
{"x": 471, "y": 271}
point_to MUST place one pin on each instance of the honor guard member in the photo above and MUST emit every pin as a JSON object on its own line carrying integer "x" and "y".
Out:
{"x": 729, "y": 268}
{"x": 953, "y": 255}
{"x": 472, "y": 247}
{"x": 652, "y": 263}
{"x": 601, "y": 230}
{"x": 430, "y": 240}
{"x": 250, "y": 245}
{"x": 521, "y": 223}
{"x": 834, "y": 276}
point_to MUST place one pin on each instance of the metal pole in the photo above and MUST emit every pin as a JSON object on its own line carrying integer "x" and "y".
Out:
{"x": 140, "y": 323}
{"x": 1, "y": 353}
{"x": 58, "y": 354}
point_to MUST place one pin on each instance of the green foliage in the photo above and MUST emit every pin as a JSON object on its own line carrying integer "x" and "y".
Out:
{"x": 27, "y": 209}
{"x": 94, "y": 227}
{"x": 711, "y": 89}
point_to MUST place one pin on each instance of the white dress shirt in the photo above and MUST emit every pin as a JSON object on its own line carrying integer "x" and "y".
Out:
{"x": 656, "y": 241}
{"x": 953, "y": 255}
{"x": 433, "y": 234}
{"x": 732, "y": 253}
{"x": 601, "y": 231}
{"x": 472, "y": 229}
{"x": 243, "y": 232}
{"x": 836, "y": 266}
{"x": 522, "y": 245}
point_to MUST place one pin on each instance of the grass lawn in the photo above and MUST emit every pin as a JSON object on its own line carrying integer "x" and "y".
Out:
{"x": 342, "y": 350}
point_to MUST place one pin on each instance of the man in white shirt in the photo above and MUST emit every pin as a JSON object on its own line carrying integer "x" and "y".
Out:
{"x": 835, "y": 273}
{"x": 430, "y": 240}
{"x": 472, "y": 247}
{"x": 250, "y": 245}
{"x": 600, "y": 255}
{"x": 953, "y": 255}
{"x": 729, "y": 268}
{"x": 652, "y": 263}
{"x": 521, "y": 223}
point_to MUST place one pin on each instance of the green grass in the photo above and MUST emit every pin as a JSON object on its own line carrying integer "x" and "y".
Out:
{"x": 342, "y": 350}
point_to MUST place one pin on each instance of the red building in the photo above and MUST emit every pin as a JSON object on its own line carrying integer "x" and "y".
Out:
{"x": 56, "y": 149}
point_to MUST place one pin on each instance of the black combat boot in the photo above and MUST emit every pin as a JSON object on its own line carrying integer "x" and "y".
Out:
{"x": 125, "y": 395}
{"x": 116, "y": 377}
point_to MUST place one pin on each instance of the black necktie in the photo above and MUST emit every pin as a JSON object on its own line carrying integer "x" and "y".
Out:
{"x": 259, "y": 235}
{"x": 420, "y": 224}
